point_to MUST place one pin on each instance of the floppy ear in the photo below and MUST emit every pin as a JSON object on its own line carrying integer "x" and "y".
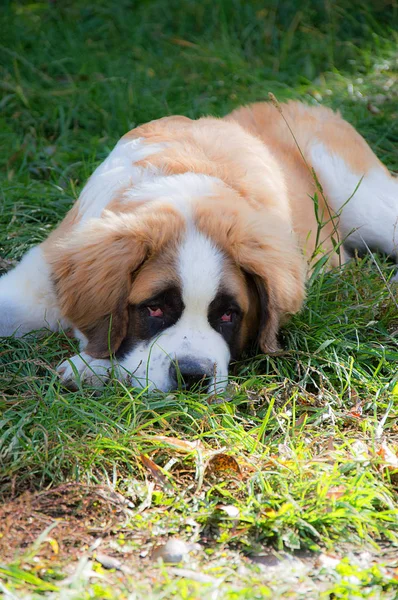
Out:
{"x": 269, "y": 322}
{"x": 265, "y": 247}
{"x": 94, "y": 268}
{"x": 278, "y": 273}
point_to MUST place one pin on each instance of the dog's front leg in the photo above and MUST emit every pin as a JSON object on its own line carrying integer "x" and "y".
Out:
{"x": 27, "y": 298}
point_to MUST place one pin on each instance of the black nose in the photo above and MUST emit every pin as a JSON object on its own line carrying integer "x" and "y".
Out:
{"x": 191, "y": 373}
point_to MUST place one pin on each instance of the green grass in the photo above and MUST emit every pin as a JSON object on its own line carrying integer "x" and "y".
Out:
{"x": 311, "y": 434}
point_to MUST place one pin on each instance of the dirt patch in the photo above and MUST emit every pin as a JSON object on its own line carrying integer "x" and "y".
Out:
{"x": 79, "y": 513}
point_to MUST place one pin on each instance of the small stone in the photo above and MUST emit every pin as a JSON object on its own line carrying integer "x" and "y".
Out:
{"x": 173, "y": 551}
{"x": 108, "y": 562}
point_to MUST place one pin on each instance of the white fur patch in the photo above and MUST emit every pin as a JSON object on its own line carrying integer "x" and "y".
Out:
{"x": 27, "y": 298}
{"x": 372, "y": 211}
{"x": 178, "y": 190}
{"x": 116, "y": 172}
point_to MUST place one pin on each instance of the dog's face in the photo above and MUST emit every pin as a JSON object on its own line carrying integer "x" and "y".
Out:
{"x": 176, "y": 294}
{"x": 189, "y": 324}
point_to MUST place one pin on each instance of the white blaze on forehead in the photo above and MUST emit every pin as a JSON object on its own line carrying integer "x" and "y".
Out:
{"x": 199, "y": 265}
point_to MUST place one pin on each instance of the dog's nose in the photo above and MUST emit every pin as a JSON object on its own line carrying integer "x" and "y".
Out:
{"x": 191, "y": 373}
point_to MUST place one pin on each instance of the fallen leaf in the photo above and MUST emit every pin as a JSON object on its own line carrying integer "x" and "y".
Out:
{"x": 356, "y": 411}
{"x": 178, "y": 444}
{"x": 354, "y": 414}
{"x": 330, "y": 444}
{"x": 222, "y": 463}
{"x": 154, "y": 470}
{"x": 336, "y": 492}
{"x": 301, "y": 420}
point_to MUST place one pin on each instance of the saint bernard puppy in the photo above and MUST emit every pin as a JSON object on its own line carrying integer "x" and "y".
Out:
{"x": 193, "y": 239}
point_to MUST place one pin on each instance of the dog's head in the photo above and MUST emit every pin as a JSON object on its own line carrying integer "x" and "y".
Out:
{"x": 181, "y": 285}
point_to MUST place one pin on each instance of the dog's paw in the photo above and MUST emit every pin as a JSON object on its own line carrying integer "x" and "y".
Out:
{"x": 83, "y": 368}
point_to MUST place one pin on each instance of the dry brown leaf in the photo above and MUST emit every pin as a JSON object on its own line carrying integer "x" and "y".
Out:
{"x": 330, "y": 444}
{"x": 178, "y": 444}
{"x": 154, "y": 470}
{"x": 356, "y": 411}
{"x": 301, "y": 420}
{"x": 223, "y": 463}
{"x": 336, "y": 492}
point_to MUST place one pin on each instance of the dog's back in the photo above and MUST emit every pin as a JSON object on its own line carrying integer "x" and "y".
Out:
{"x": 354, "y": 181}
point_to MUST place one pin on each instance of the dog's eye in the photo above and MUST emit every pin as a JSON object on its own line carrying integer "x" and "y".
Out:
{"x": 227, "y": 316}
{"x": 155, "y": 311}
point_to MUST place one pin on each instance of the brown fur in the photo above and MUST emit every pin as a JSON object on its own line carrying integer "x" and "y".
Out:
{"x": 156, "y": 274}
{"x": 214, "y": 147}
{"x": 94, "y": 268}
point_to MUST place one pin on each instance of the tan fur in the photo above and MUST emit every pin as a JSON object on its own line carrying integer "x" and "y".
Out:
{"x": 257, "y": 197}
{"x": 118, "y": 204}
{"x": 93, "y": 270}
{"x": 214, "y": 147}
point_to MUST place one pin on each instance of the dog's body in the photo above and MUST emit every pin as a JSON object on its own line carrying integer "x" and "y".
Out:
{"x": 193, "y": 239}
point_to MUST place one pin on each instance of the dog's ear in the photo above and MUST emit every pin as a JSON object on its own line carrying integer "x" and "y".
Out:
{"x": 278, "y": 274}
{"x": 93, "y": 271}
{"x": 265, "y": 247}
{"x": 269, "y": 318}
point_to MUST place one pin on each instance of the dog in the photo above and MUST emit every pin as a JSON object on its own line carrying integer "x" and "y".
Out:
{"x": 194, "y": 239}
